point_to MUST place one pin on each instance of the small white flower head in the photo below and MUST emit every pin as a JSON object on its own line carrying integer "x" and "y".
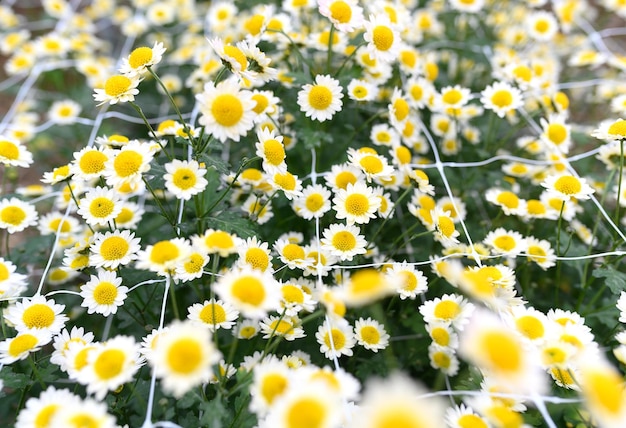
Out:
{"x": 126, "y": 165}
{"x": 112, "y": 249}
{"x": 89, "y": 163}
{"x": 382, "y": 37}
{"x": 507, "y": 200}
{"x": 468, "y": 6}
{"x": 567, "y": 186}
{"x": 288, "y": 328}
{"x": 373, "y": 165}
{"x": 12, "y": 284}
{"x": 295, "y": 299}
{"x": 45, "y": 406}
{"x": 556, "y": 132}
{"x": 451, "y": 98}
{"x": 314, "y": 202}
{"x": 213, "y": 314}
{"x": 271, "y": 379}
{"x": 621, "y": 305}
{"x": 141, "y": 58}
{"x": 192, "y": 266}
{"x": 99, "y": 206}
{"x": 505, "y": 242}
{"x": 320, "y": 101}
{"x": 343, "y": 241}
{"x": 336, "y": 338}
{"x": 541, "y": 25}
{"x": 103, "y": 293}
{"x": 450, "y": 309}
{"x": 292, "y": 254}
{"x": 185, "y": 179}
{"x": 62, "y": 343}
{"x": 64, "y": 112}
{"x": 14, "y": 153}
{"x": 216, "y": 242}
{"x": 540, "y": 252}
{"x": 16, "y": 215}
{"x": 357, "y": 203}
{"x": 254, "y": 254}
{"x": 444, "y": 228}
{"x": 36, "y": 313}
{"x": 88, "y": 411}
{"x": 19, "y": 347}
{"x": 408, "y": 281}
{"x": 371, "y": 334}
{"x": 443, "y": 359}
{"x": 252, "y": 292}
{"x": 502, "y": 98}
{"x": 362, "y": 90}
{"x": 117, "y": 89}
{"x": 271, "y": 149}
{"x": 346, "y": 15}
{"x": 609, "y": 130}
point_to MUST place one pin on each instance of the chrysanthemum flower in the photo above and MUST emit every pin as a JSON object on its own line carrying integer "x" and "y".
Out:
{"x": 141, "y": 58}
{"x": 191, "y": 266}
{"x": 314, "y": 202}
{"x": 110, "y": 365}
{"x": 87, "y": 412}
{"x": 216, "y": 242}
{"x": 556, "y": 132}
{"x": 271, "y": 149}
{"x": 443, "y": 225}
{"x": 443, "y": 359}
{"x": 112, "y": 249}
{"x": 462, "y": 416}
{"x": 502, "y": 98}
{"x": 184, "y": 178}
{"x": 510, "y": 203}
{"x": 246, "y": 329}
{"x": 541, "y": 25}
{"x": 89, "y": 163}
{"x": 288, "y": 328}
{"x": 346, "y": 15}
{"x": 252, "y": 292}
{"x": 335, "y": 338}
{"x": 611, "y": 130}
{"x": 291, "y": 254}
{"x": 99, "y": 206}
{"x": 343, "y": 241}
{"x": 64, "y": 112}
{"x": 117, "y": 89}
{"x": 295, "y": 299}
{"x": 541, "y": 252}
{"x": 271, "y": 379}
{"x": 361, "y": 90}
{"x": 505, "y": 242}
{"x": 103, "y": 293}
{"x": 62, "y": 343}
{"x": 373, "y": 165}
{"x": 44, "y": 407}
{"x": 451, "y": 98}
{"x": 129, "y": 216}
{"x": 467, "y": 6}
{"x": 213, "y": 314}
{"x": 12, "y": 284}
{"x": 19, "y": 347}
{"x": 357, "y": 203}
{"x": 449, "y": 308}
{"x": 567, "y": 186}
{"x": 365, "y": 286}
{"x": 382, "y": 37}
{"x": 408, "y": 281}
{"x": 36, "y": 313}
{"x": 16, "y": 215}
{"x": 163, "y": 256}
{"x": 602, "y": 387}
{"x": 255, "y": 254}
{"x": 370, "y": 334}
{"x": 126, "y": 166}
{"x": 320, "y": 101}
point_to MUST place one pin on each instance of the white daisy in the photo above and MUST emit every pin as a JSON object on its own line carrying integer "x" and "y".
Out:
{"x": 99, "y": 206}
{"x": 103, "y": 293}
{"x": 213, "y": 314}
{"x": 16, "y": 215}
{"x": 142, "y": 58}
{"x": 112, "y": 249}
{"x": 250, "y": 291}
{"x": 36, "y": 313}
{"x": 336, "y": 338}
{"x": 117, "y": 89}
{"x": 343, "y": 241}
{"x": 184, "y": 178}
{"x": 320, "y": 101}
{"x": 371, "y": 334}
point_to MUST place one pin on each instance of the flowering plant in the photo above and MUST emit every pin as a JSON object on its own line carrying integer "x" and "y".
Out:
{"x": 313, "y": 214}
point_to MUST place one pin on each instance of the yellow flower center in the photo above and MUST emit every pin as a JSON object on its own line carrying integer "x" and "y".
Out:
{"x": 554, "y": 355}
{"x": 114, "y": 248}
{"x": 605, "y": 391}
{"x": 440, "y": 336}
{"x": 445, "y": 226}
{"x": 340, "y": 11}
{"x": 505, "y": 242}
{"x": 441, "y": 360}
{"x": 320, "y": 97}
{"x": 12, "y": 215}
{"x": 530, "y": 327}
{"x": 22, "y": 343}
{"x": 81, "y": 358}
{"x": 344, "y": 241}
{"x": 274, "y": 152}
{"x": 125, "y": 216}
{"x": 38, "y": 315}
{"x": 541, "y": 26}
{"x": 562, "y": 375}
{"x": 556, "y": 133}
{"x": 568, "y": 185}
{"x": 105, "y": 293}
{"x": 371, "y": 164}
{"x": 4, "y": 272}
{"x": 163, "y": 252}
{"x": 409, "y": 280}
{"x": 359, "y": 91}
{"x": 501, "y": 351}
{"x": 398, "y": 417}
{"x": 357, "y": 204}
{"x": 184, "y": 178}
{"x": 618, "y": 128}
{"x": 109, "y": 363}
{"x": 213, "y": 314}
{"x": 366, "y": 282}
{"x": 236, "y": 54}
{"x": 314, "y": 202}
{"x": 452, "y": 96}
{"x": 401, "y": 109}
{"x": 382, "y": 37}
{"x": 403, "y": 154}
{"x": 537, "y": 253}
{"x": 81, "y": 261}
{"x": 272, "y": 386}
{"x": 247, "y": 332}
{"x": 92, "y": 162}
{"x": 344, "y": 178}
{"x": 370, "y": 335}
{"x": 338, "y": 339}
{"x": 184, "y": 356}
{"x": 281, "y": 327}
{"x": 447, "y": 310}
{"x": 227, "y": 110}
{"x": 261, "y": 103}
{"x": 219, "y": 239}
{"x": 508, "y": 199}
{"x": 140, "y": 57}
{"x": 249, "y": 290}
{"x": 292, "y": 294}
{"x": 285, "y": 181}
{"x": 306, "y": 412}
{"x": 9, "y": 150}
{"x": 535, "y": 207}
{"x": 44, "y": 416}
{"x": 118, "y": 139}
{"x": 127, "y": 163}
{"x": 84, "y": 420}
{"x": 194, "y": 264}
{"x": 254, "y": 24}
{"x": 257, "y": 258}
{"x": 293, "y": 252}
{"x": 62, "y": 171}
{"x": 117, "y": 85}
{"x": 471, "y": 421}
{"x": 101, "y": 207}
{"x": 502, "y": 98}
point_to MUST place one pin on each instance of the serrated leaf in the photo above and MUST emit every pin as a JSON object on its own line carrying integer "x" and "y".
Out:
{"x": 616, "y": 281}
{"x": 14, "y": 380}
{"x": 215, "y": 163}
{"x": 233, "y": 223}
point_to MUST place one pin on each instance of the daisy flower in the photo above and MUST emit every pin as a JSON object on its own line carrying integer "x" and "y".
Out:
{"x": 36, "y": 313}
{"x": 443, "y": 225}
{"x": 443, "y": 359}
{"x": 419, "y": 90}
{"x": 540, "y": 251}
{"x": 270, "y": 148}
{"x": 227, "y": 110}
{"x": 16, "y": 215}
{"x": 449, "y": 308}
{"x": 452, "y": 98}
{"x": 608, "y": 130}
{"x": 62, "y": 343}
{"x": 510, "y": 203}
{"x": 250, "y": 291}
{"x": 467, "y": 6}
{"x": 567, "y": 186}
{"x": 314, "y": 202}
{"x": 373, "y": 165}
{"x": 370, "y": 334}
{"x": 64, "y": 112}
{"x": 461, "y": 416}
{"x": 556, "y": 133}
{"x": 336, "y": 338}
{"x": 291, "y": 254}
{"x": 246, "y": 329}
{"x": 231, "y": 56}
{"x": 126, "y": 166}
{"x": 130, "y": 215}
{"x": 343, "y": 241}
{"x": 395, "y": 402}
{"x": 312, "y": 405}
{"x": 541, "y": 25}
{"x": 12, "y": 284}
{"x": 184, "y": 178}
{"x": 254, "y": 254}
{"x": 346, "y": 15}
{"x": 112, "y": 249}
{"x": 258, "y": 64}
{"x": 365, "y": 286}
{"x": 117, "y": 89}
{"x": 357, "y": 203}
{"x": 183, "y": 357}
{"x": 502, "y": 98}
{"x": 602, "y": 388}
{"x": 110, "y": 365}
{"x": 342, "y": 175}
{"x": 88, "y": 412}
{"x": 382, "y": 37}
{"x": 442, "y": 334}
{"x": 103, "y": 293}
{"x": 216, "y": 242}
{"x": 163, "y": 256}
{"x": 44, "y": 407}
{"x": 19, "y": 347}
{"x": 287, "y": 327}
{"x": 89, "y": 163}
{"x": 213, "y": 314}
{"x": 142, "y": 58}
{"x": 384, "y": 135}
{"x": 408, "y": 281}
{"x": 99, "y": 206}
{"x": 320, "y": 101}
{"x": 295, "y": 299}
{"x": 192, "y": 266}
{"x": 362, "y": 90}
{"x": 271, "y": 379}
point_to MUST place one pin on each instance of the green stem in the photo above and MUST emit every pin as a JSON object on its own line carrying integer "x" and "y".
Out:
{"x": 388, "y": 216}
{"x": 345, "y": 62}
{"x": 245, "y": 163}
{"x": 619, "y": 180}
{"x": 158, "y": 202}
{"x": 33, "y": 367}
{"x": 150, "y": 129}
{"x": 174, "y": 300}
{"x": 293, "y": 44}
{"x": 329, "y": 56}
{"x": 169, "y": 96}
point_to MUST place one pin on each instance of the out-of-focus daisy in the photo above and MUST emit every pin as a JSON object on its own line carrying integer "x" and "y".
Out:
{"x": 408, "y": 281}
{"x": 163, "y": 256}
{"x": 365, "y": 286}
{"x": 373, "y": 165}
{"x": 216, "y": 242}
{"x": 141, "y": 58}
{"x": 184, "y": 178}
{"x": 246, "y": 329}
{"x": 370, "y": 334}
{"x": 87, "y": 411}
{"x": 462, "y": 416}
{"x": 602, "y": 387}
{"x": 449, "y": 308}
{"x": 540, "y": 251}
{"x": 443, "y": 359}
{"x": 567, "y": 186}
{"x": 271, "y": 379}
{"x": 36, "y": 313}
{"x": 342, "y": 175}
{"x": 291, "y": 254}
{"x": 99, "y": 206}
{"x": 16, "y": 215}
{"x": 321, "y": 100}
{"x": 361, "y": 90}
{"x": 111, "y": 364}
{"x": 19, "y": 347}
{"x": 271, "y": 149}
{"x": 103, "y": 293}
{"x": 112, "y": 249}
{"x": 343, "y": 241}
{"x": 395, "y": 402}
{"x": 64, "y": 112}
{"x": 541, "y": 25}
{"x": 56, "y": 222}
{"x": 252, "y": 292}
{"x": 183, "y": 357}
{"x": 288, "y": 328}
{"x": 117, "y": 89}
{"x": 467, "y": 6}
{"x": 213, "y": 314}
{"x": 505, "y": 242}
{"x": 611, "y": 130}
{"x": 357, "y": 203}
{"x": 335, "y": 338}
{"x": 295, "y": 299}
{"x": 502, "y": 98}
{"x": 556, "y": 132}
{"x": 12, "y": 284}
{"x": 382, "y": 37}
{"x": 62, "y": 343}
{"x": 510, "y": 203}
{"x": 443, "y": 225}
{"x": 314, "y": 202}
{"x": 452, "y": 98}
{"x": 227, "y": 110}
{"x": 44, "y": 407}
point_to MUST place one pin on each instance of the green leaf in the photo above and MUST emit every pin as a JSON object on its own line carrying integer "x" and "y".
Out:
{"x": 616, "y": 281}
{"x": 14, "y": 380}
